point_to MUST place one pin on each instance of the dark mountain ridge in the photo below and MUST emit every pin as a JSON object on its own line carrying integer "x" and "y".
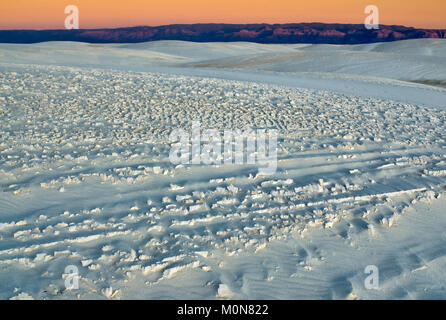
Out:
{"x": 214, "y": 32}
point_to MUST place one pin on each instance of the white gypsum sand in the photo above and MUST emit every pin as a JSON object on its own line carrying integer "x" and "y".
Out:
{"x": 86, "y": 180}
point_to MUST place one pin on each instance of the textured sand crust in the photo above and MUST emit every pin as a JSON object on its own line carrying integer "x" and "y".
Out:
{"x": 85, "y": 180}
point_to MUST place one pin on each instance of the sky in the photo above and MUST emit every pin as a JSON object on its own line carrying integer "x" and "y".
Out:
{"x": 49, "y": 14}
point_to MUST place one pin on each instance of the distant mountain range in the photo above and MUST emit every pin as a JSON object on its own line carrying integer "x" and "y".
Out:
{"x": 260, "y": 33}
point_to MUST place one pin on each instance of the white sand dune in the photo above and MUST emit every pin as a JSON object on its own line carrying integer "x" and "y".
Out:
{"x": 85, "y": 176}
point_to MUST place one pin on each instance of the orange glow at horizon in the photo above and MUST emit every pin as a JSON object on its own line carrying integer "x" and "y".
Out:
{"x": 49, "y": 14}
